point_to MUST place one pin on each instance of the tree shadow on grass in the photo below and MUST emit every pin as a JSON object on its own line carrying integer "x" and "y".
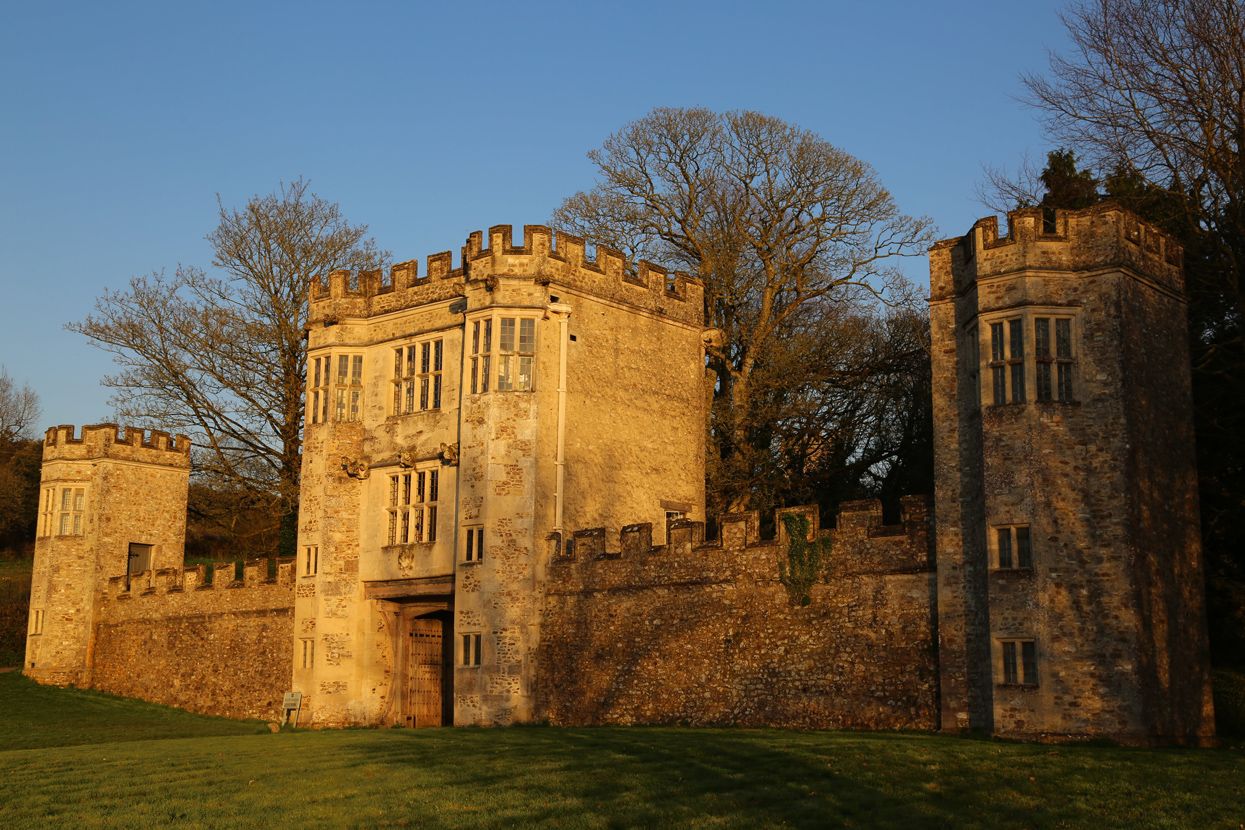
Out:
{"x": 654, "y": 777}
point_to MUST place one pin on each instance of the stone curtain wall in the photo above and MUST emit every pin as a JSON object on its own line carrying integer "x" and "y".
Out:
{"x": 223, "y": 648}
{"x": 705, "y": 634}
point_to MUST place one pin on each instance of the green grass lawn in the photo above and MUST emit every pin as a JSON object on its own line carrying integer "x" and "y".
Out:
{"x": 78, "y": 759}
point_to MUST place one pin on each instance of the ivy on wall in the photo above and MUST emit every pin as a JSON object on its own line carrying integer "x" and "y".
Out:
{"x": 804, "y": 559}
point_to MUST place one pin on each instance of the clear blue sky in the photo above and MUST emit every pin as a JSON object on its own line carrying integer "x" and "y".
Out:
{"x": 120, "y": 122}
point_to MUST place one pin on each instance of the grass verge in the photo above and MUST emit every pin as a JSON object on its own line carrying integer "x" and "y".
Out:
{"x": 574, "y": 778}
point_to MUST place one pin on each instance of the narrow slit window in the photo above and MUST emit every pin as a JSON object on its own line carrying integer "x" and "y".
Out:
{"x": 998, "y": 370}
{"x": 1010, "y": 675}
{"x": 1005, "y": 547}
{"x": 320, "y": 393}
{"x": 1016, "y": 344}
{"x": 471, "y": 650}
{"x": 475, "y": 544}
{"x": 1063, "y": 358}
{"x": 505, "y": 355}
{"x": 311, "y": 560}
{"x": 1042, "y": 356}
{"x": 1024, "y": 552}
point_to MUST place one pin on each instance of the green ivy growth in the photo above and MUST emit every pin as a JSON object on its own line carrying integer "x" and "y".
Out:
{"x": 804, "y": 559}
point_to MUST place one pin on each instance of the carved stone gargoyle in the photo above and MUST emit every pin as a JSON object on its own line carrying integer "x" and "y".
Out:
{"x": 406, "y": 460}
{"x": 449, "y": 455}
{"x": 358, "y": 468}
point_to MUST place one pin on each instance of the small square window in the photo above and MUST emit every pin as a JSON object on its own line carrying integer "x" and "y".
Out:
{"x": 1019, "y": 662}
{"x": 1012, "y": 547}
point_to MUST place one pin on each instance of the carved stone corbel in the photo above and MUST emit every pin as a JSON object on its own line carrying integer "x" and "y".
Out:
{"x": 449, "y": 455}
{"x": 359, "y": 468}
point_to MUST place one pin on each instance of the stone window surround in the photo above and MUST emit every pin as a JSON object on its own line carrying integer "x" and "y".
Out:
{"x": 308, "y": 655}
{"x": 55, "y": 514}
{"x": 488, "y": 364}
{"x": 348, "y": 383}
{"x": 310, "y": 561}
{"x": 992, "y": 542}
{"x": 473, "y": 544}
{"x": 1023, "y": 679}
{"x": 470, "y": 645}
{"x": 421, "y": 516}
{"x": 327, "y": 388}
{"x": 978, "y": 334}
{"x": 36, "y": 621}
{"x": 415, "y": 390}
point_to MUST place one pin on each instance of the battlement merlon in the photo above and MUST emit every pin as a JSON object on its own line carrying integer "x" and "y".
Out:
{"x": 220, "y": 576}
{"x": 110, "y": 441}
{"x": 1100, "y": 237}
{"x": 545, "y": 256}
{"x": 739, "y": 531}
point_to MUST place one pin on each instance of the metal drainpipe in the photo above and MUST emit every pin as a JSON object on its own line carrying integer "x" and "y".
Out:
{"x": 563, "y": 313}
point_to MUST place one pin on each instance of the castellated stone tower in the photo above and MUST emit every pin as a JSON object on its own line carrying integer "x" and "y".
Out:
{"x": 110, "y": 503}
{"x": 459, "y": 425}
{"x": 1070, "y": 577}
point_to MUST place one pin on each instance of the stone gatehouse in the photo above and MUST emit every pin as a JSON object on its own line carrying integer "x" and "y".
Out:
{"x": 502, "y": 515}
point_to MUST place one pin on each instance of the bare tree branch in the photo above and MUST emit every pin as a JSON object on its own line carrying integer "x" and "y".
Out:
{"x": 222, "y": 357}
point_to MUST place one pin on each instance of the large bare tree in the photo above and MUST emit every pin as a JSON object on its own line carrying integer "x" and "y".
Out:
{"x": 1155, "y": 90}
{"x": 221, "y": 355}
{"x": 786, "y": 231}
{"x": 1152, "y": 96}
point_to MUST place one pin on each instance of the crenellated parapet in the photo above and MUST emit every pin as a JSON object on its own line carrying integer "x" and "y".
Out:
{"x": 219, "y": 576}
{"x": 544, "y": 257}
{"x": 705, "y": 632}
{"x": 860, "y": 543}
{"x": 110, "y": 441}
{"x": 1038, "y": 240}
{"x": 253, "y": 586}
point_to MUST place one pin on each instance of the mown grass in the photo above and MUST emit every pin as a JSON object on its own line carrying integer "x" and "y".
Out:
{"x": 590, "y": 778}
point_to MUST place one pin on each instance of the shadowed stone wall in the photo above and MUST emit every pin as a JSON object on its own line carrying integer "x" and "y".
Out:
{"x": 1100, "y": 474}
{"x": 704, "y": 634}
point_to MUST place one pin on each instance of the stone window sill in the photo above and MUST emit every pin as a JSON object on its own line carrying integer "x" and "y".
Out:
{"x": 413, "y": 547}
{"x": 1017, "y": 686}
{"x": 399, "y": 415}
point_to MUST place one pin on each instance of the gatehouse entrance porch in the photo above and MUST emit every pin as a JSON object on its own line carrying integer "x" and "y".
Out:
{"x": 419, "y": 616}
